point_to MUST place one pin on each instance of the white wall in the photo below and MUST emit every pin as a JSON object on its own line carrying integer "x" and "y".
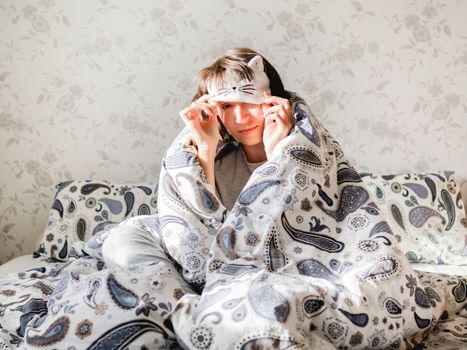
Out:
{"x": 92, "y": 89}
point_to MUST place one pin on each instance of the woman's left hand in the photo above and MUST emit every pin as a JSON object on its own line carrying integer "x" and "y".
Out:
{"x": 278, "y": 121}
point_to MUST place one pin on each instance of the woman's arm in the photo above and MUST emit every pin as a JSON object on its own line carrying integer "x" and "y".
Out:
{"x": 278, "y": 121}
{"x": 206, "y": 160}
{"x": 205, "y": 133}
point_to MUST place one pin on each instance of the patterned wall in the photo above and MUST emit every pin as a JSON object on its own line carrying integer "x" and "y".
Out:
{"x": 92, "y": 89}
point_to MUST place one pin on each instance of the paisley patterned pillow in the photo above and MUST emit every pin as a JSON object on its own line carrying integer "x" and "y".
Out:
{"x": 81, "y": 208}
{"x": 425, "y": 213}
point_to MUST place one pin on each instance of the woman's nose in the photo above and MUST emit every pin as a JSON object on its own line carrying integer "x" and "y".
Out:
{"x": 241, "y": 114}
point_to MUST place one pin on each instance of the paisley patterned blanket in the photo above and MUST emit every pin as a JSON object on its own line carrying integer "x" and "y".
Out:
{"x": 304, "y": 260}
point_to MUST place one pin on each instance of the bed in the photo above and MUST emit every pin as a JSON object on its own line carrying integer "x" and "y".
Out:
{"x": 62, "y": 296}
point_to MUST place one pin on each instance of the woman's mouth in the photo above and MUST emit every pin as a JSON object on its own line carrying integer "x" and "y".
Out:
{"x": 248, "y": 130}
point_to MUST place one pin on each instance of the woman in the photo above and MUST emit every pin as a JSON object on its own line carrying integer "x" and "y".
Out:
{"x": 241, "y": 93}
{"x": 305, "y": 258}
{"x": 240, "y": 98}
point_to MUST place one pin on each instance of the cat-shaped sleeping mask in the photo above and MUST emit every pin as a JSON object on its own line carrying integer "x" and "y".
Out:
{"x": 233, "y": 90}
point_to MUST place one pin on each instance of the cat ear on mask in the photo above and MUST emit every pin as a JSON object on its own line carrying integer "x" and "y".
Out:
{"x": 256, "y": 63}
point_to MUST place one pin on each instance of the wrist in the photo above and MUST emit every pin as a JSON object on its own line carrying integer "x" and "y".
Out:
{"x": 207, "y": 147}
{"x": 206, "y": 154}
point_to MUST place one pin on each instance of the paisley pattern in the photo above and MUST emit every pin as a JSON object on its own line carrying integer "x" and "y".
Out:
{"x": 201, "y": 199}
{"x": 347, "y": 175}
{"x": 381, "y": 269}
{"x": 320, "y": 267}
{"x": 421, "y": 323}
{"x": 266, "y": 301}
{"x": 393, "y": 307}
{"x": 322, "y": 259}
{"x": 57, "y": 205}
{"x": 313, "y": 306}
{"x": 422, "y": 214}
{"x": 29, "y": 310}
{"x": 360, "y": 320}
{"x": 180, "y": 160}
{"x": 226, "y": 241}
{"x": 305, "y": 156}
{"x": 314, "y": 268}
{"x": 129, "y": 199}
{"x": 123, "y": 297}
{"x": 81, "y": 209}
{"x": 114, "y": 206}
{"x": 52, "y": 335}
{"x": 396, "y": 214}
{"x": 266, "y": 342}
{"x": 268, "y": 169}
{"x": 71, "y": 207}
{"x": 431, "y": 185}
{"x": 80, "y": 313}
{"x": 419, "y": 215}
{"x": 420, "y": 190}
{"x": 306, "y": 127}
{"x": 460, "y": 291}
{"x": 352, "y": 198}
{"x": 319, "y": 241}
{"x": 449, "y": 206}
{"x": 274, "y": 258}
{"x": 122, "y": 335}
{"x": 81, "y": 229}
{"x": 144, "y": 210}
{"x": 250, "y": 194}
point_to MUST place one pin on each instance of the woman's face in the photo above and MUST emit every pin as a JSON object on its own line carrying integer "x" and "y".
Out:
{"x": 244, "y": 121}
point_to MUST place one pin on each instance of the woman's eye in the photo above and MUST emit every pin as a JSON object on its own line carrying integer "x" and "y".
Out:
{"x": 226, "y": 106}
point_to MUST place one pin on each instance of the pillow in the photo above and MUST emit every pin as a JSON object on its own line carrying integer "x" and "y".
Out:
{"x": 425, "y": 213}
{"x": 81, "y": 208}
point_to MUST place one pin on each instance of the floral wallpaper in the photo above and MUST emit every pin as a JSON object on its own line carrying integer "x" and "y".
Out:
{"x": 92, "y": 89}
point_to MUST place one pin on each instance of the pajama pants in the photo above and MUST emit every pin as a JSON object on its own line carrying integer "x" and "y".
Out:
{"x": 130, "y": 244}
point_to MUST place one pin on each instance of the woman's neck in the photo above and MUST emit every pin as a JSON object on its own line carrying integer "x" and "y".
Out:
{"x": 255, "y": 153}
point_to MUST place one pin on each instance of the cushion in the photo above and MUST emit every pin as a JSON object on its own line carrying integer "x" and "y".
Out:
{"x": 81, "y": 208}
{"x": 425, "y": 213}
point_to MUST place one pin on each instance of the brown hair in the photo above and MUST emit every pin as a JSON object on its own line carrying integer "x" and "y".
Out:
{"x": 235, "y": 61}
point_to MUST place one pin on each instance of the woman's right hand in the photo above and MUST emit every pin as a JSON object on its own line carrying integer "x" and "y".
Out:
{"x": 205, "y": 132}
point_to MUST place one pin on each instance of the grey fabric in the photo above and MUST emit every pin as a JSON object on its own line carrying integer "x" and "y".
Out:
{"x": 232, "y": 173}
{"x": 129, "y": 244}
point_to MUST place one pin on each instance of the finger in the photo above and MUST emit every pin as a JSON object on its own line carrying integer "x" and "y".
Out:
{"x": 286, "y": 112}
{"x": 214, "y": 103}
{"x": 273, "y": 109}
{"x": 188, "y": 121}
{"x": 204, "y": 106}
{"x": 208, "y": 113}
{"x": 204, "y": 98}
{"x": 191, "y": 116}
{"x": 205, "y": 111}
{"x": 274, "y": 99}
{"x": 187, "y": 114}
{"x": 279, "y": 117}
{"x": 270, "y": 120}
{"x": 280, "y": 121}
